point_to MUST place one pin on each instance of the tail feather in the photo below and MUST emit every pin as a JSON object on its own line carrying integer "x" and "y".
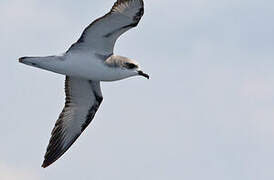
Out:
{"x": 32, "y": 61}
{"x": 46, "y": 62}
{"x": 21, "y": 59}
{"x": 50, "y": 63}
{"x": 35, "y": 60}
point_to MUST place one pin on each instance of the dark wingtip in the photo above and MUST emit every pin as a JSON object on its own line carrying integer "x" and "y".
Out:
{"x": 50, "y": 160}
{"x": 45, "y": 164}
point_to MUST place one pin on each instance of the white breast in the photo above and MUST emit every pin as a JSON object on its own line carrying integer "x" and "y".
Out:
{"x": 84, "y": 65}
{"x": 87, "y": 66}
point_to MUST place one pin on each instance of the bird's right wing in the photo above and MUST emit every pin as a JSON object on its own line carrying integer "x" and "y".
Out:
{"x": 102, "y": 34}
{"x": 83, "y": 98}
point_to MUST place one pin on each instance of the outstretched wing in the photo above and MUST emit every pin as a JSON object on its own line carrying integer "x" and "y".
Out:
{"x": 83, "y": 98}
{"x": 102, "y": 34}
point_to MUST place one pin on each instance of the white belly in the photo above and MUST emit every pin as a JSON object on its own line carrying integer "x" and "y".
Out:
{"x": 87, "y": 66}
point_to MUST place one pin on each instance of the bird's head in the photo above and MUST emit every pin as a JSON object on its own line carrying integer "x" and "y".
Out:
{"x": 127, "y": 67}
{"x": 133, "y": 67}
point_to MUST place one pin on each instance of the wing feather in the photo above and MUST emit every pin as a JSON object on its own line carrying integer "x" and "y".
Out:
{"x": 83, "y": 98}
{"x": 102, "y": 34}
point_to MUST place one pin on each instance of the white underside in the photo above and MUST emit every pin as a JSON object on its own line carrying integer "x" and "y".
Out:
{"x": 83, "y": 65}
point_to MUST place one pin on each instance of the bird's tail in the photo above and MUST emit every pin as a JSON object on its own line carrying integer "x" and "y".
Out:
{"x": 35, "y": 61}
{"x": 50, "y": 63}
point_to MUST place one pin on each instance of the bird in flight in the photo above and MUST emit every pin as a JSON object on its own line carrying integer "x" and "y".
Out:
{"x": 85, "y": 64}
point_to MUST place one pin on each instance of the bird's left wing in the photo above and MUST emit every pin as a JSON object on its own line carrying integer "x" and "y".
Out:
{"x": 102, "y": 34}
{"x": 83, "y": 98}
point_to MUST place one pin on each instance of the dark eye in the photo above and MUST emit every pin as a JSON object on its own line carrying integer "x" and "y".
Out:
{"x": 130, "y": 65}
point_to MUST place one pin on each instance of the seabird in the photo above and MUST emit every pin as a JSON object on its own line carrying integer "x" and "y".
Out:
{"x": 85, "y": 64}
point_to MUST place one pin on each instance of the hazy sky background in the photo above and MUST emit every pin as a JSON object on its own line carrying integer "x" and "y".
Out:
{"x": 206, "y": 113}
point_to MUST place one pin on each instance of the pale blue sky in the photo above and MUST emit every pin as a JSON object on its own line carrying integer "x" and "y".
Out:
{"x": 206, "y": 113}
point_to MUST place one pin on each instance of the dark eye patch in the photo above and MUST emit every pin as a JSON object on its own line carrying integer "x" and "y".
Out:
{"x": 130, "y": 65}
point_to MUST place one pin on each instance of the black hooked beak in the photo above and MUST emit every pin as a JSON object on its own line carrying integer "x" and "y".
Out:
{"x": 141, "y": 73}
